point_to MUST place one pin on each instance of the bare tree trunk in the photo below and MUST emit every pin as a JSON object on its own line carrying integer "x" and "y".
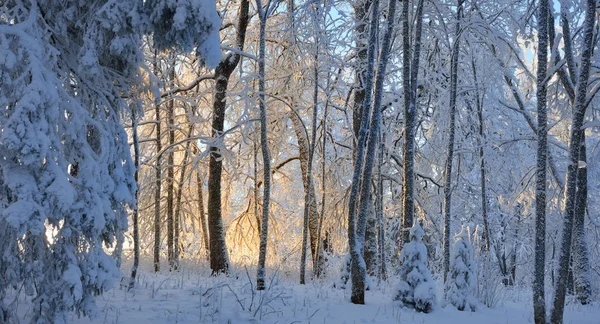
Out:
{"x": 410, "y": 73}
{"x": 264, "y": 234}
{"x": 310, "y": 193}
{"x": 358, "y": 271}
{"x": 539, "y": 303}
{"x": 136, "y": 224}
{"x": 381, "y": 256}
{"x": 371, "y": 239}
{"x": 202, "y": 214}
{"x": 219, "y": 259}
{"x": 361, "y": 9}
{"x": 357, "y": 268}
{"x": 581, "y": 261}
{"x": 574, "y": 147}
{"x": 482, "y": 170}
{"x": 170, "y": 167}
{"x": 452, "y": 131}
{"x": 320, "y": 258}
{"x": 177, "y": 218}
{"x": 158, "y": 184}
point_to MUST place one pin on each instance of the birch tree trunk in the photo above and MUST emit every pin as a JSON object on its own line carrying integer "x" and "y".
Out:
{"x": 264, "y": 234}
{"x": 357, "y": 267}
{"x": 575, "y": 144}
{"x": 451, "y": 131}
{"x": 219, "y": 259}
{"x": 358, "y": 271}
{"x": 310, "y": 192}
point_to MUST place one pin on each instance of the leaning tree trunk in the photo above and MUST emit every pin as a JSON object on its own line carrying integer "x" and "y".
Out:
{"x": 219, "y": 259}
{"x": 574, "y": 147}
{"x": 136, "y": 224}
{"x": 264, "y": 234}
{"x": 451, "y": 131}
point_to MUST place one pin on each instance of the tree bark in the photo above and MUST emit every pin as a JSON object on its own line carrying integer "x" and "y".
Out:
{"x": 219, "y": 259}
{"x": 158, "y": 172}
{"x": 410, "y": 73}
{"x": 452, "y": 131}
{"x": 264, "y": 234}
{"x": 581, "y": 261}
{"x": 171, "y": 168}
{"x": 357, "y": 267}
{"x": 482, "y": 170}
{"x": 576, "y": 141}
{"x": 136, "y": 226}
{"x": 202, "y": 214}
{"x": 539, "y": 303}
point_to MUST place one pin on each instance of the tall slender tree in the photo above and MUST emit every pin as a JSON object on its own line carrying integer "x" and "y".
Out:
{"x": 219, "y": 257}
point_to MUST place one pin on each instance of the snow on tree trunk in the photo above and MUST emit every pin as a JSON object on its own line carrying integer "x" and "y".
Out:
{"x": 539, "y": 303}
{"x": 357, "y": 265}
{"x": 575, "y": 143}
{"x": 264, "y": 142}
{"x": 359, "y": 268}
{"x": 581, "y": 261}
{"x": 410, "y": 73}
{"x": 135, "y": 214}
{"x": 451, "y": 131}
{"x": 416, "y": 288}
{"x": 219, "y": 257}
{"x": 371, "y": 240}
{"x": 461, "y": 279}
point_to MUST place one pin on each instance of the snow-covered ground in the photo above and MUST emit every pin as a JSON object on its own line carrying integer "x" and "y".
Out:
{"x": 195, "y": 297}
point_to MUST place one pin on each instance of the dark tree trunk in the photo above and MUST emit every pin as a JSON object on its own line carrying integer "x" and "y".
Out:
{"x": 170, "y": 168}
{"x": 410, "y": 73}
{"x": 219, "y": 259}
{"x": 264, "y": 143}
{"x": 158, "y": 184}
{"x": 539, "y": 303}
{"x": 202, "y": 214}
{"x": 581, "y": 263}
{"x": 136, "y": 226}
{"x": 452, "y": 131}
{"x": 575, "y": 143}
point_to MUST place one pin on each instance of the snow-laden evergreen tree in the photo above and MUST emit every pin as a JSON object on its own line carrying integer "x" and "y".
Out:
{"x": 416, "y": 288}
{"x": 67, "y": 69}
{"x": 461, "y": 278}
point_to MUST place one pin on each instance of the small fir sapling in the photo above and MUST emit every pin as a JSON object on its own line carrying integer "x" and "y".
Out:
{"x": 416, "y": 288}
{"x": 461, "y": 279}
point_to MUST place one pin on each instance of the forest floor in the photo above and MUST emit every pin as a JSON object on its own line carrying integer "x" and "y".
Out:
{"x": 195, "y": 297}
